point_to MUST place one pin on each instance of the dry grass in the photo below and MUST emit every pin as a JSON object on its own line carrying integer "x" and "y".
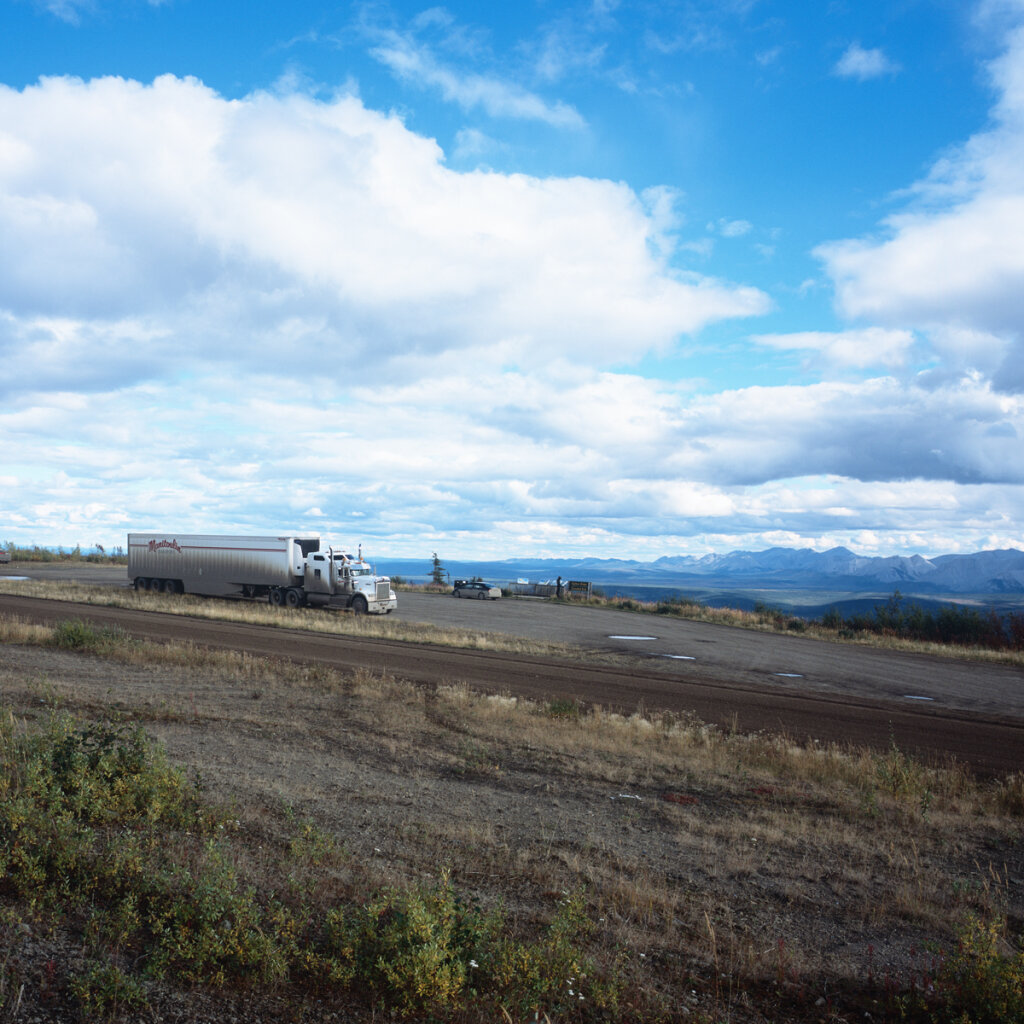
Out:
{"x": 344, "y": 622}
{"x": 714, "y": 864}
{"x": 340, "y": 622}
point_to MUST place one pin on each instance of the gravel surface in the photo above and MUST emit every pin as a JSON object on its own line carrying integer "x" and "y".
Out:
{"x": 845, "y": 707}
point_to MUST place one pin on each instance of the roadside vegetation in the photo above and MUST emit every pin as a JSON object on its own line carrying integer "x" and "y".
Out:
{"x": 99, "y": 834}
{"x": 101, "y": 556}
{"x": 718, "y": 876}
{"x": 314, "y": 619}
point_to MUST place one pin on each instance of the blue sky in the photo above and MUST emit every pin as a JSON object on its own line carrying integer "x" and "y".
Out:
{"x": 612, "y": 277}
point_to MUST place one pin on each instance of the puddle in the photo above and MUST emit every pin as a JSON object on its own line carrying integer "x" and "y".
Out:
{"x": 910, "y": 696}
{"x": 788, "y": 675}
{"x": 15, "y": 577}
{"x": 632, "y": 638}
{"x": 677, "y": 657}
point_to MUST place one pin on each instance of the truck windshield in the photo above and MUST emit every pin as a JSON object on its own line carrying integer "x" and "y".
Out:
{"x": 354, "y": 568}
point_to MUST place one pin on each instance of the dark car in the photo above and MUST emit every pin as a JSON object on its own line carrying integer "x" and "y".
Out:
{"x": 483, "y": 591}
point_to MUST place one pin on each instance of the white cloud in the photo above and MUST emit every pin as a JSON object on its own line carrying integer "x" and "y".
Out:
{"x": 416, "y": 63}
{"x": 733, "y": 228}
{"x": 562, "y": 457}
{"x": 472, "y": 145}
{"x": 67, "y": 10}
{"x": 954, "y": 258}
{"x": 869, "y": 346}
{"x": 856, "y": 62}
{"x": 279, "y": 223}
{"x": 565, "y": 48}
{"x": 203, "y": 301}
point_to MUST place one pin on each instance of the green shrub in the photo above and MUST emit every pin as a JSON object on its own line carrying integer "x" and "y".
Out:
{"x": 95, "y": 825}
{"x": 422, "y": 945}
{"x": 976, "y": 983}
{"x": 77, "y": 635}
{"x": 563, "y": 708}
{"x": 104, "y": 990}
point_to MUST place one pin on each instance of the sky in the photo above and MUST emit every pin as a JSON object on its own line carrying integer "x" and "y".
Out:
{"x": 612, "y": 278}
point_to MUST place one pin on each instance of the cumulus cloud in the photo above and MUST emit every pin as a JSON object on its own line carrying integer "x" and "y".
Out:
{"x": 281, "y": 223}
{"x": 565, "y": 456}
{"x": 596, "y": 428}
{"x": 953, "y": 258}
{"x": 856, "y": 62}
{"x": 203, "y": 301}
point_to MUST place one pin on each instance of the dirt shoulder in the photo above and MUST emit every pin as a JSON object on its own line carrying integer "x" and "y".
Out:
{"x": 988, "y": 743}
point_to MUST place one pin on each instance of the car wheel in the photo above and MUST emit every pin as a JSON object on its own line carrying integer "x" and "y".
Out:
{"x": 456, "y": 593}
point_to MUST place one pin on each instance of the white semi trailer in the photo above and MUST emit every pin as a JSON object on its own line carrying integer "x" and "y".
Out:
{"x": 292, "y": 570}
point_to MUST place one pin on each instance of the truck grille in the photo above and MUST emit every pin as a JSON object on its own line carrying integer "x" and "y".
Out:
{"x": 383, "y": 591}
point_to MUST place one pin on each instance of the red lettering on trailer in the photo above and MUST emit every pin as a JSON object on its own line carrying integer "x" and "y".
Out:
{"x": 155, "y": 545}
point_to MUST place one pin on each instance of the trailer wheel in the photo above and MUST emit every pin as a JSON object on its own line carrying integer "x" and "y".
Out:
{"x": 140, "y": 583}
{"x": 293, "y": 598}
{"x": 153, "y": 585}
{"x": 276, "y": 596}
{"x": 170, "y": 586}
{"x": 359, "y": 605}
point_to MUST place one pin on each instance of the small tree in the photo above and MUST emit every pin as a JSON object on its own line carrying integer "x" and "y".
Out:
{"x": 438, "y": 572}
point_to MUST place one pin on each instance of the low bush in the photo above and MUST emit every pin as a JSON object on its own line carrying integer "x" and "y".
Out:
{"x": 96, "y": 828}
{"x": 78, "y": 635}
{"x": 980, "y": 981}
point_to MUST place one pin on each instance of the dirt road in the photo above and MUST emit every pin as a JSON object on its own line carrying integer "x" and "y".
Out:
{"x": 768, "y": 662}
{"x": 989, "y": 741}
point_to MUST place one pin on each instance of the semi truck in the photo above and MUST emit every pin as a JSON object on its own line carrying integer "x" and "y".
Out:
{"x": 292, "y": 570}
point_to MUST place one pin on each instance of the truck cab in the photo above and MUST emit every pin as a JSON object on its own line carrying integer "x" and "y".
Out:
{"x": 334, "y": 573}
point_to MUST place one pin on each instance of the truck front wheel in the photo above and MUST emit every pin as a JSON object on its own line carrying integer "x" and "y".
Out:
{"x": 359, "y": 605}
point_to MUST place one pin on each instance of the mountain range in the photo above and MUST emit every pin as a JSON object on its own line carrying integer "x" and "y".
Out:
{"x": 800, "y": 575}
